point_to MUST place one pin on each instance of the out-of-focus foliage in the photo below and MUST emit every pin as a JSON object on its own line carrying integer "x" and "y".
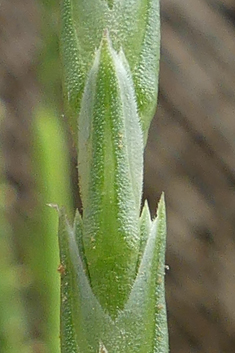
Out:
{"x": 13, "y": 327}
{"x": 52, "y": 175}
{"x": 49, "y": 71}
{"x": 37, "y": 234}
{"x": 13, "y": 332}
{"x": 33, "y": 232}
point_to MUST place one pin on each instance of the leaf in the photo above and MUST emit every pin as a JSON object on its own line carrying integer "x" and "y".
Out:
{"x": 139, "y": 33}
{"x": 110, "y": 161}
{"x": 81, "y": 314}
{"x": 67, "y": 325}
{"x": 134, "y": 26}
{"x": 161, "y": 344}
{"x": 73, "y": 66}
{"x": 144, "y": 315}
{"x": 141, "y": 326}
{"x": 145, "y": 227}
{"x": 78, "y": 233}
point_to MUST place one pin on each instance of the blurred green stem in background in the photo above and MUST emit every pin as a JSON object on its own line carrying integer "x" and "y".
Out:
{"x": 14, "y": 337}
{"x": 29, "y": 254}
{"x": 51, "y": 164}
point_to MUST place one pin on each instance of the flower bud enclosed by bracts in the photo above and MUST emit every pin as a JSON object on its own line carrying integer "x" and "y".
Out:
{"x": 112, "y": 259}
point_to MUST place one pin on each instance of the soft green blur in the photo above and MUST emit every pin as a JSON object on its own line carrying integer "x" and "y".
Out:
{"x": 29, "y": 280}
{"x": 52, "y": 175}
{"x": 13, "y": 326}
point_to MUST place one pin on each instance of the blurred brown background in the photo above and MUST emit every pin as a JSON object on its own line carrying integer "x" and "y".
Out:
{"x": 190, "y": 152}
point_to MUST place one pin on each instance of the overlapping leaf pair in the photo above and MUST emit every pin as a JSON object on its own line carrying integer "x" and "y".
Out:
{"x": 112, "y": 296}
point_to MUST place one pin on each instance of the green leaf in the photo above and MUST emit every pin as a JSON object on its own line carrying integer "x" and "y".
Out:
{"x": 66, "y": 268}
{"x": 110, "y": 162}
{"x": 139, "y": 33}
{"x": 145, "y": 227}
{"x": 73, "y": 67}
{"x": 78, "y": 231}
{"x": 140, "y": 327}
{"x": 161, "y": 343}
{"x": 134, "y": 26}
{"x": 145, "y": 303}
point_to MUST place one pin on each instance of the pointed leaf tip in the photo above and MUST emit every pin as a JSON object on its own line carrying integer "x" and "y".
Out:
{"x": 161, "y": 207}
{"x": 110, "y": 160}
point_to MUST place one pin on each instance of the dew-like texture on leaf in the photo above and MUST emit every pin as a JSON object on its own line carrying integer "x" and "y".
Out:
{"x": 110, "y": 163}
{"x": 90, "y": 21}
